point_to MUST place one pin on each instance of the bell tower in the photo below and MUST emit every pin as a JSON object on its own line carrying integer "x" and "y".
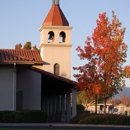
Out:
{"x": 55, "y": 42}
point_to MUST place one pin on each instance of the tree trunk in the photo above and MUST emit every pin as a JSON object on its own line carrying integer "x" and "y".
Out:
{"x": 95, "y": 104}
{"x": 104, "y": 106}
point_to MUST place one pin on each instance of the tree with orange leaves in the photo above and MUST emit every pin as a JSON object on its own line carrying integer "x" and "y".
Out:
{"x": 127, "y": 71}
{"x": 105, "y": 52}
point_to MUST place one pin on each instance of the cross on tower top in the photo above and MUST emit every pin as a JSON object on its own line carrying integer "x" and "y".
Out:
{"x": 55, "y": 2}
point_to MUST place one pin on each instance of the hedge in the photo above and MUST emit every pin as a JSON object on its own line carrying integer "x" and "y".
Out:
{"x": 109, "y": 119}
{"x": 80, "y": 107}
{"x": 79, "y": 117}
{"x": 31, "y": 116}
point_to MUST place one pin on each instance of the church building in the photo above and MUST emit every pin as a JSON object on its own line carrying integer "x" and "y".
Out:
{"x": 40, "y": 79}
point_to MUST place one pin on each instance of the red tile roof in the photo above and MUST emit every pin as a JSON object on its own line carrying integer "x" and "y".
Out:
{"x": 20, "y": 56}
{"x": 55, "y": 17}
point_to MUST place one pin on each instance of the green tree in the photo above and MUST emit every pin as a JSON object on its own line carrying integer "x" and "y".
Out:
{"x": 18, "y": 46}
{"x": 27, "y": 46}
{"x": 84, "y": 100}
{"x": 35, "y": 47}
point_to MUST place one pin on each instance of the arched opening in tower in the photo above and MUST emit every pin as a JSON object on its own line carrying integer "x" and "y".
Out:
{"x": 51, "y": 37}
{"x": 56, "y": 69}
{"x": 62, "y": 37}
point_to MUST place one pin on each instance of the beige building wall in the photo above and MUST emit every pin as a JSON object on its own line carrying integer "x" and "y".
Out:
{"x": 6, "y": 88}
{"x": 56, "y": 51}
{"x": 29, "y": 82}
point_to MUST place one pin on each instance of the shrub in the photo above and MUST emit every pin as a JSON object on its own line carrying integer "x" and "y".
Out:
{"x": 6, "y": 116}
{"x": 79, "y": 117}
{"x": 79, "y": 112}
{"x": 109, "y": 119}
{"x": 93, "y": 119}
{"x": 32, "y": 116}
{"x": 126, "y": 112}
{"x": 80, "y": 107}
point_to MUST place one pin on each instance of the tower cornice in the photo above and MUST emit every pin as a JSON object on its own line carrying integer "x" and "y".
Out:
{"x": 55, "y": 45}
{"x": 56, "y": 27}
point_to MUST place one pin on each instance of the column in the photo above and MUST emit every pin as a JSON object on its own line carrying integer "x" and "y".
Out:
{"x": 108, "y": 109}
{"x": 54, "y": 108}
{"x": 47, "y": 106}
{"x": 55, "y": 104}
{"x": 50, "y": 108}
{"x": 44, "y": 104}
{"x": 74, "y": 105}
{"x": 58, "y": 103}
{"x": 14, "y": 87}
{"x": 63, "y": 107}
{"x": 58, "y": 110}
{"x": 68, "y": 112}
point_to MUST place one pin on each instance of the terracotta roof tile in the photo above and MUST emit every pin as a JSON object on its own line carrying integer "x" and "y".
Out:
{"x": 11, "y": 55}
{"x": 55, "y": 17}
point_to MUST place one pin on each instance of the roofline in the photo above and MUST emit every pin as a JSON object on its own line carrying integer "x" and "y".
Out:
{"x": 54, "y": 76}
{"x": 56, "y": 27}
{"x": 21, "y": 62}
{"x": 54, "y": 14}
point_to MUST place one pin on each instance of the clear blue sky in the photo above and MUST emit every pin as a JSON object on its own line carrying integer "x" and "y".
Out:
{"x": 20, "y": 21}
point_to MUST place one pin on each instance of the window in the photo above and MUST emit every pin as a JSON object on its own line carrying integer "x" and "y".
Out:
{"x": 56, "y": 69}
{"x": 62, "y": 37}
{"x": 50, "y": 37}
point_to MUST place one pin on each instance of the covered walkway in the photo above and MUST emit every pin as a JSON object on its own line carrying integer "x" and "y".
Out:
{"x": 58, "y": 96}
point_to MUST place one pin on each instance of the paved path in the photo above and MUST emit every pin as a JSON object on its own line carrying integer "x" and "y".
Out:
{"x": 62, "y": 126}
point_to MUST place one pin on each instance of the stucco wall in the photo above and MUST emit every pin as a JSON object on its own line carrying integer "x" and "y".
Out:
{"x": 56, "y": 51}
{"x": 60, "y": 55}
{"x": 6, "y": 88}
{"x": 30, "y": 83}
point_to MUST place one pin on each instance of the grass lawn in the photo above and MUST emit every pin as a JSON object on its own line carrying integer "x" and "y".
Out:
{"x": 41, "y": 129}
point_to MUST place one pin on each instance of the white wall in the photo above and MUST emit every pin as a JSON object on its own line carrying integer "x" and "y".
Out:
{"x": 30, "y": 82}
{"x": 6, "y": 88}
{"x": 60, "y": 55}
{"x": 56, "y": 52}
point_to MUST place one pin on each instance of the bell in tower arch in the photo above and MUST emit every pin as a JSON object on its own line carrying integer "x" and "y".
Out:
{"x": 51, "y": 36}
